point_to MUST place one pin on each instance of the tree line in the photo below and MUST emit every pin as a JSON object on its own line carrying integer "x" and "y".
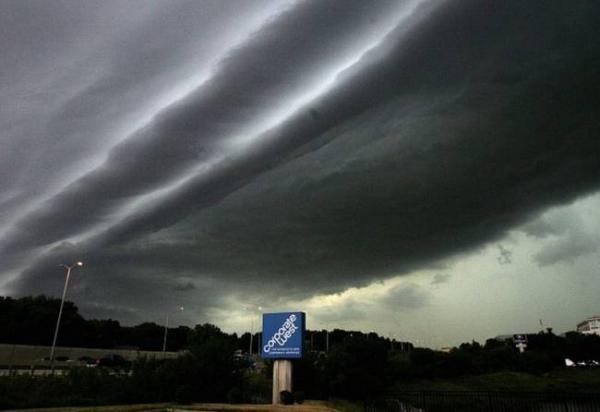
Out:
{"x": 31, "y": 321}
{"x": 339, "y": 364}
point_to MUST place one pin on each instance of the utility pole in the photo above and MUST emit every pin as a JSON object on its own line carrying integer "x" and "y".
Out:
{"x": 164, "y": 349}
{"x": 62, "y": 303}
{"x": 165, "y": 337}
{"x": 251, "y": 336}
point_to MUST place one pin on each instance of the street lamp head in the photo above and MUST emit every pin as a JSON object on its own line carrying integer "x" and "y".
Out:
{"x": 74, "y": 265}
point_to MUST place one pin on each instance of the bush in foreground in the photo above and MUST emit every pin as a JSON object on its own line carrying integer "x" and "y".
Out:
{"x": 299, "y": 397}
{"x": 286, "y": 397}
{"x": 184, "y": 394}
{"x": 234, "y": 396}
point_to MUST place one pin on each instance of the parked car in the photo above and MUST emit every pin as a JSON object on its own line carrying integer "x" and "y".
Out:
{"x": 88, "y": 361}
{"x": 590, "y": 363}
{"x": 113, "y": 361}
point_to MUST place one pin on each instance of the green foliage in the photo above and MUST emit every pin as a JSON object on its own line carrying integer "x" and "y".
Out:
{"x": 535, "y": 362}
{"x": 544, "y": 353}
{"x": 344, "y": 405}
{"x": 234, "y": 396}
{"x": 31, "y": 320}
{"x": 561, "y": 380}
{"x": 257, "y": 388}
{"x": 360, "y": 366}
{"x": 205, "y": 374}
{"x": 212, "y": 357}
{"x": 299, "y": 397}
{"x": 286, "y": 397}
{"x": 357, "y": 367}
{"x": 79, "y": 387}
{"x": 184, "y": 394}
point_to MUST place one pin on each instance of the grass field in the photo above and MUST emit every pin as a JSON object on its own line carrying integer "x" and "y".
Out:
{"x": 563, "y": 380}
{"x": 343, "y": 405}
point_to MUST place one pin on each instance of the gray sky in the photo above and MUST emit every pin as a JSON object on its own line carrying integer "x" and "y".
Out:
{"x": 428, "y": 169}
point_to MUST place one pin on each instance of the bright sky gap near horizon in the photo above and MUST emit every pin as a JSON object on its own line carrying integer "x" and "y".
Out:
{"x": 425, "y": 169}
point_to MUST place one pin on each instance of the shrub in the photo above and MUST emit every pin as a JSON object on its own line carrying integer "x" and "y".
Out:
{"x": 258, "y": 389}
{"x": 286, "y": 397}
{"x": 234, "y": 395}
{"x": 184, "y": 394}
{"x": 299, "y": 397}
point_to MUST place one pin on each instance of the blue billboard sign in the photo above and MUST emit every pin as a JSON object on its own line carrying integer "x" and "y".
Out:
{"x": 283, "y": 335}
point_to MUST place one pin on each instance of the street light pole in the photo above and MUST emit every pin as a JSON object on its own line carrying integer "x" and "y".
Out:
{"x": 62, "y": 303}
{"x": 251, "y": 335}
{"x": 165, "y": 335}
{"x": 252, "y": 326}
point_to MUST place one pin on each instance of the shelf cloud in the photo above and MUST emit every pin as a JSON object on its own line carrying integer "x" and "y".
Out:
{"x": 285, "y": 149}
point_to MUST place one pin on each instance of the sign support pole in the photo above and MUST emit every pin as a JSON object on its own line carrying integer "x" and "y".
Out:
{"x": 283, "y": 340}
{"x": 282, "y": 378}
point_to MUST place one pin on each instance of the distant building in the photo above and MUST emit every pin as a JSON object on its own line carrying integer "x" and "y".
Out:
{"x": 590, "y": 326}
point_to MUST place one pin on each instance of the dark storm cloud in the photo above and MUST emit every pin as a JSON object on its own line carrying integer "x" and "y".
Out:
{"x": 565, "y": 234}
{"x": 351, "y": 312}
{"x": 126, "y": 289}
{"x": 126, "y": 63}
{"x": 468, "y": 119}
{"x": 405, "y": 297}
{"x": 539, "y": 228}
{"x": 40, "y": 42}
{"x": 566, "y": 250}
{"x": 504, "y": 255}
{"x": 183, "y": 285}
{"x": 440, "y": 278}
{"x": 252, "y": 81}
{"x": 556, "y": 223}
{"x": 571, "y": 239}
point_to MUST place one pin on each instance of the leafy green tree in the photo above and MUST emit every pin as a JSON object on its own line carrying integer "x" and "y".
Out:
{"x": 356, "y": 368}
{"x": 212, "y": 351}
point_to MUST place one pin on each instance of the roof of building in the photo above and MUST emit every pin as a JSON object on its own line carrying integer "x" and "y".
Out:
{"x": 597, "y": 317}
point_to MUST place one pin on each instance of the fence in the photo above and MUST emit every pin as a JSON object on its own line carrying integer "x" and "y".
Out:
{"x": 486, "y": 401}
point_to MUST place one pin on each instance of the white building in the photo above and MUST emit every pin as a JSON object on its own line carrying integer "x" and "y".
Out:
{"x": 590, "y": 326}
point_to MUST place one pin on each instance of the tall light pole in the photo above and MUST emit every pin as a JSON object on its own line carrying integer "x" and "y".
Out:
{"x": 62, "y": 303}
{"x": 252, "y": 328}
{"x": 166, "y": 331}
